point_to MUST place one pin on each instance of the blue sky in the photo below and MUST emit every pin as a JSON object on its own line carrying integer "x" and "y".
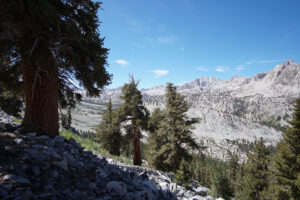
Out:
{"x": 177, "y": 41}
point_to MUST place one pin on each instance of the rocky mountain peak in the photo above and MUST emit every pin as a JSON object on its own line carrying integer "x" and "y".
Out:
{"x": 239, "y": 109}
{"x": 286, "y": 74}
{"x": 290, "y": 62}
{"x": 202, "y": 84}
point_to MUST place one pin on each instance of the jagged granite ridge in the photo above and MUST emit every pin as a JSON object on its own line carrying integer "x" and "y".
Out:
{"x": 240, "y": 109}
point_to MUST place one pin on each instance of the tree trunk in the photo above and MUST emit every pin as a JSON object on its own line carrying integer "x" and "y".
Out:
{"x": 40, "y": 78}
{"x": 137, "y": 160}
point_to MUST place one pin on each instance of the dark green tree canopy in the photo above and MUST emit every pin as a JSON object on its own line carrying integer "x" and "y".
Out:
{"x": 172, "y": 139}
{"x": 256, "y": 179}
{"x": 287, "y": 161}
{"x": 46, "y": 46}
{"x": 134, "y": 116}
{"x": 108, "y": 132}
{"x": 68, "y": 28}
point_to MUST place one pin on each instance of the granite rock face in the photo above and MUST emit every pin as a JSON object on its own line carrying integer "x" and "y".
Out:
{"x": 233, "y": 112}
{"x": 39, "y": 167}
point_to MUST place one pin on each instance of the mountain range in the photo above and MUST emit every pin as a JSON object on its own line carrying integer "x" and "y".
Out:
{"x": 234, "y": 113}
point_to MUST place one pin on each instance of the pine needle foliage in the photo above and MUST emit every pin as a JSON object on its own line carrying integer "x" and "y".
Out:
{"x": 256, "y": 175}
{"x": 233, "y": 169}
{"x": 287, "y": 161}
{"x": 155, "y": 139}
{"x": 134, "y": 117}
{"x": 66, "y": 119}
{"x": 11, "y": 102}
{"x": 44, "y": 46}
{"x": 183, "y": 175}
{"x": 175, "y": 140}
{"x": 220, "y": 183}
{"x": 108, "y": 132}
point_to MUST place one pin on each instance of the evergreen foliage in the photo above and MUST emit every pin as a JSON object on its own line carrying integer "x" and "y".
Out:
{"x": 63, "y": 120}
{"x": 183, "y": 175}
{"x": 69, "y": 118}
{"x": 10, "y": 102}
{"x": 255, "y": 181}
{"x": 66, "y": 119}
{"x": 134, "y": 116}
{"x": 43, "y": 46}
{"x": 202, "y": 167}
{"x": 233, "y": 169}
{"x": 287, "y": 162}
{"x": 175, "y": 131}
{"x": 220, "y": 183}
{"x": 155, "y": 139}
{"x": 238, "y": 187}
{"x": 108, "y": 132}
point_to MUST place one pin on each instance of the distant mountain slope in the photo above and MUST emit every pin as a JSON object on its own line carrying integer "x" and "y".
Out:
{"x": 232, "y": 111}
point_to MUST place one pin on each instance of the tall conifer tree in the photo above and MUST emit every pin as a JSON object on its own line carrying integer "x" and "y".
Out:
{"x": 256, "y": 178}
{"x": 155, "y": 139}
{"x": 134, "y": 116}
{"x": 184, "y": 175}
{"x": 233, "y": 169}
{"x": 44, "y": 45}
{"x": 176, "y": 130}
{"x": 108, "y": 132}
{"x": 220, "y": 183}
{"x": 287, "y": 162}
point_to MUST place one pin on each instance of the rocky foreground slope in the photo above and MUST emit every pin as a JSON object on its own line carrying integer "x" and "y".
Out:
{"x": 38, "y": 167}
{"x": 233, "y": 112}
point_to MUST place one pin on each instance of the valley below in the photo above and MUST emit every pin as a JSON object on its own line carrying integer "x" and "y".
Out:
{"x": 234, "y": 113}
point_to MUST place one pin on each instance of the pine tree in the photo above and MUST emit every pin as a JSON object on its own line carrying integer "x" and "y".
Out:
{"x": 175, "y": 129}
{"x": 44, "y": 45}
{"x": 108, "y": 132}
{"x": 134, "y": 116}
{"x": 155, "y": 139}
{"x": 220, "y": 183}
{"x": 233, "y": 169}
{"x": 256, "y": 175}
{"x": 238, "y": 190}
{"x": 63, "y": 120}
{"x": 287, "y": 162}
{"x": 10, "y": 102}
{"x": 66, "y": 119}
{"x": 183, "y": 175}
{"x": 69, "y": 118}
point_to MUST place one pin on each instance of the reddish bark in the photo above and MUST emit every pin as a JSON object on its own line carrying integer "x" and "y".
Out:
{"x": 41, "y": 92}
{"x": 137, "y": 160}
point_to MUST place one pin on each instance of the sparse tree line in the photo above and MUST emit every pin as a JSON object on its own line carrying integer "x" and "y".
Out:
{"x": 170, "y": 140}
{"x": 269, "y": 173}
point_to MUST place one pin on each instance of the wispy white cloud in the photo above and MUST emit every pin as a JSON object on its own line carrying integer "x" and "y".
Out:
{"x": 123, "y": 63}
{"x": 250, "y": 62}
{"x": 270, "y": 61}
{"x": 167, "y": 39}
{"x": 159, "y": 72}
{"x": 182, "y": 48}
{"x": 202, "y": 69}
{"x": 220, "y": 69}
{"x": 239, "y": 68}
